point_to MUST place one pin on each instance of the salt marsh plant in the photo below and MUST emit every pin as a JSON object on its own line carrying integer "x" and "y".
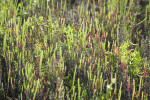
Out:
{"x": 74, "y": 49}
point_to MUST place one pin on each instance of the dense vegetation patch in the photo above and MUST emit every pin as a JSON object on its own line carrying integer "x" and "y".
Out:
{"x": 74, "y": 49}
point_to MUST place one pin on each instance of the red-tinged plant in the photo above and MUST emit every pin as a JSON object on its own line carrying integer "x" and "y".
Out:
{"x": 85, "y": 50}
{"x": 126, "y": 72}
{"x": 127, "y": 46}
{"x": 144, "y": 94}
{"x": 43, "y": 88}
{"x": 95, "y": 72}
{"x": 67, "y": 40}
{"x": 44, "y": 96}
{"x": 43, "y": 47}
{"x": 76, "y": 27}
{"x": 128, "y": 84}
{"x": 44, "y": 80}
{"x": 123, "y": 66}
{"x": 87, "y": 36}
{"x": 93, "y": 58}
{"x": 82, "y": 64}
{"x": 113, "y": 48}
{"x": 27, "y": 38}
{"x": 38, "y": 26}
{"x": 109, "y": 19}
{"x": 35, "y": 41}
{"x": 104, "y": 35}
{"x": 6, "y": 53}
{"x": 20, "y": 49}
{"x": 88, "y": 22}
{"x": 12, "y": 13}
{"x": 93, "y": 90}
{"x": 112, "y": 15}
{"x": 88, "y": 64}
{"x": 47, "y": 45}
{"x": 77, "y": 54}
{"x": 145, "y": 74}
{"x": 130, "y": 51}
{"x": 35, "y": 77}
{"x": 8, "y": 6}
{"x": 25, "y": 90}
{"x": 119, "y": 61}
